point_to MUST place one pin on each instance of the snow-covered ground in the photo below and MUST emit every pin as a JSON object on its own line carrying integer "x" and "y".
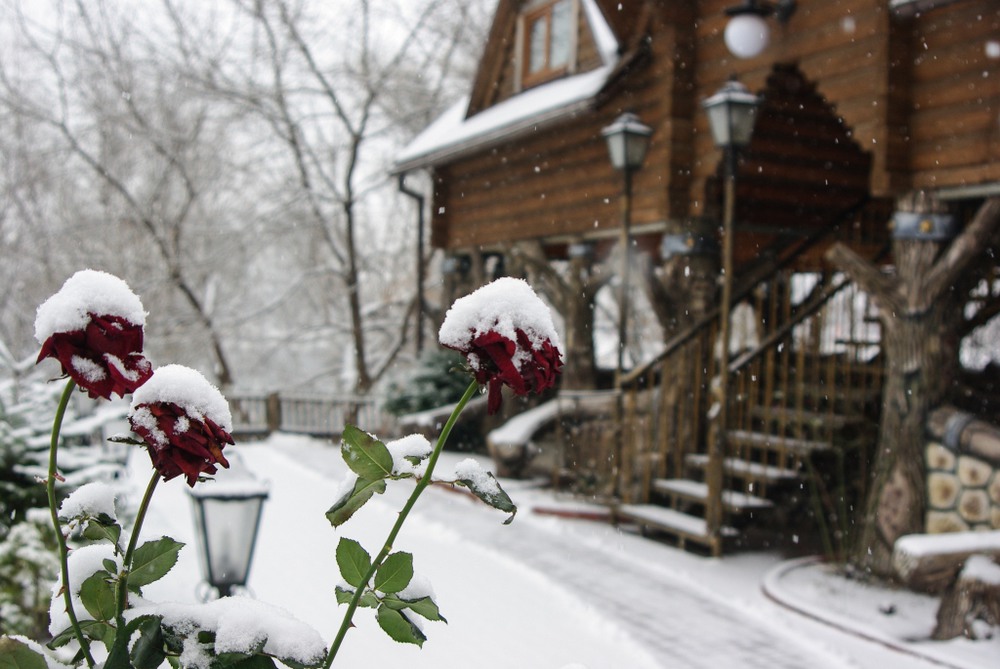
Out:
{"x": 548, "y": 592}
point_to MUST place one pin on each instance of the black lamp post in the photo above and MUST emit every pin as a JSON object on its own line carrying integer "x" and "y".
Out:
{"x": 227, "y": 517}
{"x": 628, "y": 141}
{"x": 732, "y": 112}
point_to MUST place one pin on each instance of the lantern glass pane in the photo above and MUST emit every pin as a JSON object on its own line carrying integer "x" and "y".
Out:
{"x": 743, "y": 118}
{"x": 230, "y": 527}
{"x": 616, "y": 150}
{"x": 636, "y": 149}
{"x": 718, "y": 121}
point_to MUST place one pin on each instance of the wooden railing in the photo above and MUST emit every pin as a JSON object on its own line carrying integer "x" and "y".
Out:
{"x": 256, "y": 415}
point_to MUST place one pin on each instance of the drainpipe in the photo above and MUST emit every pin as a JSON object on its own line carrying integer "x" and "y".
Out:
{"x": 419, "y": 198}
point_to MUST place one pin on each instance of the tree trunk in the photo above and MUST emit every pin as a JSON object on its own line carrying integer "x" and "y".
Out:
{"x": 580, "y": 371}
{"x": 921, "y": 318}
{"x": 919, "y": 369}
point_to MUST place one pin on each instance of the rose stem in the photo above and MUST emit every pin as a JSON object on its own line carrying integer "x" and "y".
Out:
{"x": 422, "y": 483}
{"x": 50, "y": 489}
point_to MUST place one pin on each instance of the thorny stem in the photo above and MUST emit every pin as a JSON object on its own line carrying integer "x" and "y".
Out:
{"x": 133, "y": 540}
{"x": 422, "y": 483}
{"x": 50, "y": 489}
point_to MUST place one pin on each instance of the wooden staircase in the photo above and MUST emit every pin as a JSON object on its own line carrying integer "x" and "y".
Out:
{"x": 809, "y": 380}
{"x": 763, "y": 468}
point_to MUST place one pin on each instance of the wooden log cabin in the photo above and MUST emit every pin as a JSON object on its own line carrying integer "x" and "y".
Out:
{"x": 864, "y": 104}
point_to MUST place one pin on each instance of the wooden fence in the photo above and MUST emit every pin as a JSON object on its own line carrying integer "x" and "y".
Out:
{"x": 257, "y": 415}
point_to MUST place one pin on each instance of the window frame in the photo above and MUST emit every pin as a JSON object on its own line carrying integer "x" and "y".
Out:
{"x": 530, "y": 16}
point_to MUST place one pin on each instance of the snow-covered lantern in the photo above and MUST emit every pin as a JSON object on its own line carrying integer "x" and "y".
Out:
{"x": 628, "y": 140}
{"x": 747, "y": 33}
{"x": 227, "y": 516}
{"x": 732, "y": 112}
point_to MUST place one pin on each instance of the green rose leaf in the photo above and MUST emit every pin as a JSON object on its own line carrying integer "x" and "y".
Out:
{"x": 97, "y": 530}
{"x": 16, "y": 654}
{"x": 147, "y": 652}
{"x": 94, "y": 629}
{"x": 126, "y": 439}
{"x": 354, "y": 562}
{"x": 425, "y": 607}
{"x": 398, "y": 626}
{"x": 487, "y": 488}
{"x": 347, "y": 505}
{"x": 251, "y": 662}
{"x": 152, "y": 561}
{"x": 395, "y": 573}
{"x": 365, "y": 455}
{"x": 368, "y": 599}
{"x": 98, "y": 596}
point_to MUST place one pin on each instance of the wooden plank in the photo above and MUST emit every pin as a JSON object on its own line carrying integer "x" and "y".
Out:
{"x": 751, "y": 471}
{"x": 697, "y": 491}
{"x": 671, "y": 521}
{"x": 774, "y": 442}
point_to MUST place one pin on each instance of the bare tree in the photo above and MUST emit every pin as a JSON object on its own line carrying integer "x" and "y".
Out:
{"x": 131, "y": 137}
{"x": 230, "y": 161}
{"x": 336, "y": 95}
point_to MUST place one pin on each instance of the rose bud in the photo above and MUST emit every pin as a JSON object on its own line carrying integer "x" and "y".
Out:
{"x": 506, "y": 333}
{"x": 185, "y": 422}
{"x": 93, "y": 327}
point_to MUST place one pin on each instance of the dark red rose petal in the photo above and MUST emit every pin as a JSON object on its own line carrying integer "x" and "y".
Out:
{"x": 491, "y": 356}
{"x": 110, "y": 347}
{"x": 191, "y": 452}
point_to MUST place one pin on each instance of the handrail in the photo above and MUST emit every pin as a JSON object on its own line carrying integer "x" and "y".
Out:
{"x": 748, "y": 284}
{"x": 802, "y": 312}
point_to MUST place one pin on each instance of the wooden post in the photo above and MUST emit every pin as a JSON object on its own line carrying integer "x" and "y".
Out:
{"x": 272, "y": 413}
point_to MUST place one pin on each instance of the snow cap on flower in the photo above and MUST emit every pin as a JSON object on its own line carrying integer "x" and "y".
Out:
{"x": 93, "y": 327}
{"x": 185, "y": 422}
{"x": 506, "y": 333}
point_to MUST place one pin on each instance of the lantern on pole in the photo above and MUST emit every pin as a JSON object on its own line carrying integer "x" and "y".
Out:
{"x": 628, "y": 141}
{"x": 227, "y": 517}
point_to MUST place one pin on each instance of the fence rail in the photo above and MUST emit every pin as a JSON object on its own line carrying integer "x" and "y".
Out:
{"x": 256, "y": 415}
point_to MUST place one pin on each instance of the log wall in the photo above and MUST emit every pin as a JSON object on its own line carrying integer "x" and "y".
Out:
{"x": 920, "y": 96}
{"x": 963, "y": 479}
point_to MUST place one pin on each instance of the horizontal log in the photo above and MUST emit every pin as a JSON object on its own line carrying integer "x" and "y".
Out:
{"x": 963, "y": 433}
{"x": 930, "y": 562}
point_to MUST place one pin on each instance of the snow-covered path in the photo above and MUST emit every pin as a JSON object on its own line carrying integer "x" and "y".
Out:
{"x": 542, "y": 593}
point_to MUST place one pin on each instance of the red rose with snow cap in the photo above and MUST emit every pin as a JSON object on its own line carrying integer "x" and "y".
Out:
{"x": 93, "y": 327}
{"x": 185, "y": 422}
{"x": 506, "y": 333}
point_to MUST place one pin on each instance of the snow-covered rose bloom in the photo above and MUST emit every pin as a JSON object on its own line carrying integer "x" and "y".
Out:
{"x": 506, "y": 333}
{"x": 185, "y": 422}
{"x": 94, "y": 327}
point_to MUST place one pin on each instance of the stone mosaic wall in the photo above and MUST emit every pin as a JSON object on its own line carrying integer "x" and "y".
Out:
{"x": 963, "y": 492}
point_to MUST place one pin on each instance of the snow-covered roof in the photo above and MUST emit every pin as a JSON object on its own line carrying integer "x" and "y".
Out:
{"x": 453, "y": 134}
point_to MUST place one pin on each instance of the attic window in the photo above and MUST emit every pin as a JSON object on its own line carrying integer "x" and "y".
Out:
{"x": 548, "y": 42}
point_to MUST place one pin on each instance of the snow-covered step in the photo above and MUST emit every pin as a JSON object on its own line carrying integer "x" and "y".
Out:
{"x": 753, "y": 471}
{"x": 697, "y": 491}
{"x": 775, "y": 442}
{"x": 683, "y": 526}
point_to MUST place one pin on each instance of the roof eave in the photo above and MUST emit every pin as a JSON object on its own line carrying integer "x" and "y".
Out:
{"x": 493, "y": 138}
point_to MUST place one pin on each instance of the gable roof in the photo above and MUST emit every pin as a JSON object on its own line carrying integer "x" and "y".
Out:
{"x": 472, "y": 124}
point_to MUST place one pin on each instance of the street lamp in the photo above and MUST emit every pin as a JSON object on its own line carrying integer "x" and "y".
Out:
{"x": 732, "y": 112}
{"x": 227, "y": 517}
{"x": 628, "y": 140}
